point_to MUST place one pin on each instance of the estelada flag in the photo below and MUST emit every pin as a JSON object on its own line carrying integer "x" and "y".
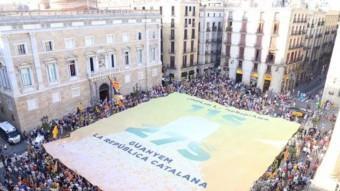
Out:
{"x": 115, "y": 84}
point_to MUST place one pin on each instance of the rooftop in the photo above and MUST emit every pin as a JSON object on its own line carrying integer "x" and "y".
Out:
{"x": 10, "y": 17}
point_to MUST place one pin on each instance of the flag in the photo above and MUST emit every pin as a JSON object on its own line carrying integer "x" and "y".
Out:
{"x": 115, "y": 85}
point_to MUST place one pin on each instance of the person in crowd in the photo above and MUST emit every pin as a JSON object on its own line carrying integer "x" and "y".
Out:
{"x": 291, "y": 170}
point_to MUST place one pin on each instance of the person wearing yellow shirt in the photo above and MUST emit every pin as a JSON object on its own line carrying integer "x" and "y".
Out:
{"x": 55, "y": 132}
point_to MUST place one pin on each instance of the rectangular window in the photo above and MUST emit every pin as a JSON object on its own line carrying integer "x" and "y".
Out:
{"x": 191, "y": 60}
{"x": 257, "y": 55}
{"x": 48, "y": 46}
{"x": 193, "y": 34}
{"x": 193, "y": 11}
{"x": 161, "y": 10}
{"x": 184, "y": 46}
{"x": 26, "y": 77}
{"x": 192, "y": 46}
{"x": 172, "y": 47}
{"x": 91, "y": 64}
{"x": 52, "y": 72}
{"x": 184, "y": 61}
{"x": 89, "y": 41}
{"x": 241, "y": 53}
{"x": 139, "y": 36}
{"x": 21, "y": 49}
{"x": 172, "y": 22}
{"x": 255, "y": 67}
{"x": 126, "y": 58}
{"x": 172, "y": 34}
{"x": 112, "y": 59}
{"x": 172, "y": 10}
{"x": 193, "y": 22}
{"x": 69, "y": 43}
{"x": 276, "y": 28}
{"x": 4, "y": 81}
{"x": 172, "y": 62}
{"x": 185, "y": 34}
{"x": 186, "y": 10}
{"x": 219, "y": 27}
{"x": 139, "y": 56}
{"x": 72, "y": 67}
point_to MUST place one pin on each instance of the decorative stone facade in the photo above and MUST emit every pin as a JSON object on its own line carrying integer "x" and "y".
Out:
{"x": 52, "y": 63}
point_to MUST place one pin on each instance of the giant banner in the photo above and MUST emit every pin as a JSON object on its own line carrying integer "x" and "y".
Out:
{"x": 178, "y": 142}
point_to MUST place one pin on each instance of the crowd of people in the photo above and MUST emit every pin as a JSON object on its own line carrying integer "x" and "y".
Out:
{"x": 294, "y": 168}
{"x": 291, "y": 170}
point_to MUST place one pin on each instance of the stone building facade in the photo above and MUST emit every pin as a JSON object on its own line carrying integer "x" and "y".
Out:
{"x": 49, "y": 64}
{"x": 210, "y": 36}
{"x": 254, "y": 46}
{"x": 332, "y": 86}
{"x": 272, "y": 49}
{"x": 319, "y": 43}
{"x": 179, "y": 35}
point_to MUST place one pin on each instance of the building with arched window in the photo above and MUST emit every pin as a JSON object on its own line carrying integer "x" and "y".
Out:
{"x": 49, "y": 65}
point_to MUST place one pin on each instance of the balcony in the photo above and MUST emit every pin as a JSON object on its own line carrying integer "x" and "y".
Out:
{"x": 229, "y": 29}
{"x": 256, "y": 60}
{"x": 171, "y": 67}
{"x": 102, "y": 73}
{"x": 188, "y": 66}
{"x": 228, "y": 42}
{"x": 259, "y": 32}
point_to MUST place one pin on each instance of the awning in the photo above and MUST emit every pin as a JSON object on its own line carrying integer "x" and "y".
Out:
{"x": 268, "y": 77}
{"x": 254, "y": 75}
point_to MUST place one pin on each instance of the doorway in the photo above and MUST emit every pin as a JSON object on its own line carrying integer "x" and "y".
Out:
{"x": 104, "y": 92}
{"x": 238, "y": 78}
{"x": 266, "y": 85}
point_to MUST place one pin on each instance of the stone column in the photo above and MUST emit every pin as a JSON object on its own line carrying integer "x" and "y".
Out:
{"x": 277, "y": 76}
{"x": 247, "y": 68}
{"x": 260, "y": 77}
{"x": 147, "y": 52}
{"x": 36, "y": 60}
{"x": 10, "y": 66}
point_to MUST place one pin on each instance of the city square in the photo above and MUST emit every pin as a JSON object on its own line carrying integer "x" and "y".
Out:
{"x": 169, "y": 95}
